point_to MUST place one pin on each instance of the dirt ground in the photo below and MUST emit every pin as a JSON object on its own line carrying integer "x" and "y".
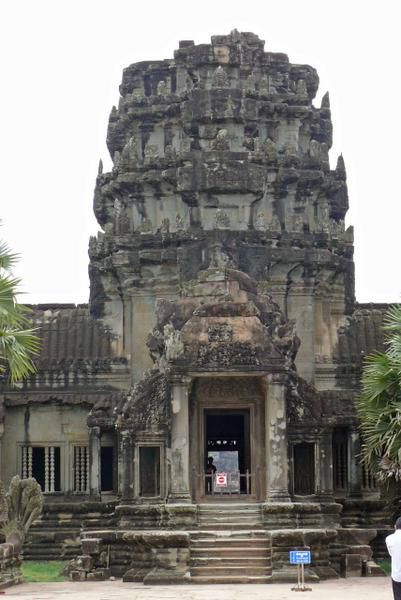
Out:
{"x": 342, "y": 589}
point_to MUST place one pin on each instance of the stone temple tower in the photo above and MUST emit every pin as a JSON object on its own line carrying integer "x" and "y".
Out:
{"x": 222, "y": 286}
{"x": 221, "y": 160}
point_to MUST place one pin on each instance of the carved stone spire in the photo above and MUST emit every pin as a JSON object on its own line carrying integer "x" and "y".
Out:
{"x": 325, "y": 101}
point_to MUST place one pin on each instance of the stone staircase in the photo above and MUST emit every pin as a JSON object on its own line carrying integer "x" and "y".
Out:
{"x": 56, "y": 534}
{"x": 230, "y": 545}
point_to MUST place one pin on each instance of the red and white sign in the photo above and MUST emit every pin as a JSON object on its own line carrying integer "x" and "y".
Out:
{"x": 220, "y": 480}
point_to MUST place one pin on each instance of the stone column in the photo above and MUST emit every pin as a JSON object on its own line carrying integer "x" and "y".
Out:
{"x": 276, "y": 440}
{"x": 326, "y": 467}
{"x": 354, "y": 467}
{"x": 126, "y": 466}
{"x": 179, "y": 471}
{"x": 94, "y": 463}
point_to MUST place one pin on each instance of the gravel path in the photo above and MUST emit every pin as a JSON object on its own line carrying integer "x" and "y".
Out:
{"x": 342, "y": 589}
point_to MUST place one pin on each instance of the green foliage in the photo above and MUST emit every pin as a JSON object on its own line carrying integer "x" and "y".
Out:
{"x": 385, "y": 564}
{"x": 43, "y": 572}
{"x": 18, "y": 341}
{"x": 379, "y": 404}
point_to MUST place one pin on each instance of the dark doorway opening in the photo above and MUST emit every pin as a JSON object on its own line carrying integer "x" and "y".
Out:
{"x": 149, "y": 471}
{"x": 107, "y": 468}
{"x": 304, "y": 469}
{"x": 227, "y": 440}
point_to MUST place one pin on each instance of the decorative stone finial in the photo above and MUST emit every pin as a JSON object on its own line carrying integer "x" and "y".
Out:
{"x": 100, "y": 168}
{"x": 325, "y": 101}
{"x": 341, "y": 172}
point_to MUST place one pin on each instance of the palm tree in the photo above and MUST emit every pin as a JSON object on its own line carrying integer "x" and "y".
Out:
{"x": 379, "y": 404}
{"x": 18, "y": 342}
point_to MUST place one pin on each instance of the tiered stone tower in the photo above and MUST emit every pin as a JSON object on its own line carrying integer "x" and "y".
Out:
{"x": 221, "y": 159}
{"x": 222, "y": 324}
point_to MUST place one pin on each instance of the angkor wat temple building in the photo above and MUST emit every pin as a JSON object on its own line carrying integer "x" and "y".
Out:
{"x": 222, "y": 323}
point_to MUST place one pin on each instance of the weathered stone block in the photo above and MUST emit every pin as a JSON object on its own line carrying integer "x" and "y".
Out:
{"x": 355, "y": 536}
{"x": 166, "y": 577}
{"x": 98, "y": 575}
{"x": 352, "y": 565}
{"x": 78, "y": 576}
{"x": 86, "y": 562}
{"x": 91, "y": 546}
{"x": 287, "y": 537}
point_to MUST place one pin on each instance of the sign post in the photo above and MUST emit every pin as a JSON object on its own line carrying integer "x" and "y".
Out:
{"x": 300, "y": 558}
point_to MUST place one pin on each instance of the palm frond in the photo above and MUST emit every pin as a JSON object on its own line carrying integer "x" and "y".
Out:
{"x": 16, "y": 350}
{"x": 18, "y": 340}
{"x": 379, "y": 403}
{"x": 7, "y": 258}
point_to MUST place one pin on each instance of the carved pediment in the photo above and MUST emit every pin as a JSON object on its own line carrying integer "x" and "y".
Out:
{"x": 227, "y": 327}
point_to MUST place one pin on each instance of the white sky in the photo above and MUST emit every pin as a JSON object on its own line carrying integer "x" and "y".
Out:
{"x": 60, "y": 66}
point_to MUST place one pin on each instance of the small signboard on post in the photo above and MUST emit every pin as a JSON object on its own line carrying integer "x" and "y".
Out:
{"x": 300, "y": 558}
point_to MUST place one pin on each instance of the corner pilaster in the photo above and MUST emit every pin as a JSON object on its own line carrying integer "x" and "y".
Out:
{"x": 94, "y": 463}
{"x": 276, "y": 440}
{"x": 179, "y": 453}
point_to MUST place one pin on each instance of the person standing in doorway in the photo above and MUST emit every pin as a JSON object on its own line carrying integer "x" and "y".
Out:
{"x": 210, "y": 471}
{"x": 393, "y": 543}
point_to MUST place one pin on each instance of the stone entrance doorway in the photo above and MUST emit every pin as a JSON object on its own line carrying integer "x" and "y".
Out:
{"x": 227, "y": 423}
{"x": 227, "y": 441}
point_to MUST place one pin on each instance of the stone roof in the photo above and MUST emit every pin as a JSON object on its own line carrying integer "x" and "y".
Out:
{"x": 76, "y": 364}
{"x": 68, "y": 334}
{"x": 362, "y": 335}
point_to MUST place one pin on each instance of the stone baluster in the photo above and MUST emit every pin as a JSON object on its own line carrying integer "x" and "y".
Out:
{"x": 52, "y": 470}
{"x": 82, "y": 457}
{"x": 76, "y": 468}
{"x": 276, "y": 440}
{"x": 87, "y": 471}
{"x": 94, "y": 462}
{"x": 24, "y": 462}
{"x": 47, "y": 486}
{"x": 179, "y": 472}
{"x": 29, "y": 474}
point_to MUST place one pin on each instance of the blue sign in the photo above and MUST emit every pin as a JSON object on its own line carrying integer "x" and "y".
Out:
{"x": 300, "y": 557}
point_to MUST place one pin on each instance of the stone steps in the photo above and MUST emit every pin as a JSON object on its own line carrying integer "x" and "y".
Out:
{"x": 224, "y": 579}
{"x": 228, "y": 561}
{"x": 56, "y": 534}
{"x": 237, "y": 551}
{"x": 232, "y": 540}
{"x": 232, "y": 516}
{"x": 228, "y": 571}
{"x": 230, "y": 545}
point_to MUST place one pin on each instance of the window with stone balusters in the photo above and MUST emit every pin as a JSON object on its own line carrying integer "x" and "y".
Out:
{"x": 80, "y": 469}
{"x": 42, "y": 463}
{"x": 369, "y": 483}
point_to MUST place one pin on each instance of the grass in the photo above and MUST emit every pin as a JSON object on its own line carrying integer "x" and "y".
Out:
{"x": 43, "y": 572}
{"x": 385, "y": 565}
